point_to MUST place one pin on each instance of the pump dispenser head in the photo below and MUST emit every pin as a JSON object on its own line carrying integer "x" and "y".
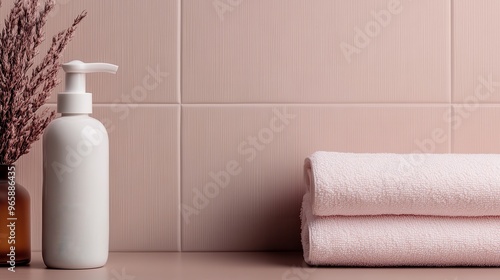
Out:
{"x": 75, "y": 99}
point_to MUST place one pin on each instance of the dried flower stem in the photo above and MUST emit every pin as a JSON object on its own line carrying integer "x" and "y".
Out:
{"x": 24, "y": 88}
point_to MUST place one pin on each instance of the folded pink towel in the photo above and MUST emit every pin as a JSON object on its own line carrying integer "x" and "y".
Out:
{"x": 415, "y": 184}
{"x": 399, "y": 240}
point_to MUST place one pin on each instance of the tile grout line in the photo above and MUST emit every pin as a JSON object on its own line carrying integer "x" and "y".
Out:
{"x": 179, "y": 180}
{"x": 409, "y": 104}
{"x": 451, "y": 53}
{"x": 179, "y": 129}
{"x": 317, "y": 104}
{"x": 452, "y": 73}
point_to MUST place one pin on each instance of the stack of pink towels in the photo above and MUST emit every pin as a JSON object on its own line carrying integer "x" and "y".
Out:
{"x": 401, "y": 210}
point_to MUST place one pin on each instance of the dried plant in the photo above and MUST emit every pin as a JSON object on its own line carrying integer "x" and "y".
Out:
{"x": 24, "y": 88}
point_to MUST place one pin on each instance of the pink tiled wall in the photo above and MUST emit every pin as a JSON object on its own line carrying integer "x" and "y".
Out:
{"x": 210, "y": 157}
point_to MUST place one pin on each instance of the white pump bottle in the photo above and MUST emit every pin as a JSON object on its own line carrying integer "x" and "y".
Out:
{"x": 75, "y": 225}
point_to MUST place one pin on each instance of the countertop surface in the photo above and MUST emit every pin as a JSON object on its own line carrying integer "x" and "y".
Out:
{"x": 208, "y": 266}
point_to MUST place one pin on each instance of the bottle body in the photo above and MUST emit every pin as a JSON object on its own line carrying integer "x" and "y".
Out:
{"x": 75, "y": 227}
{"x": 15, "y": 229}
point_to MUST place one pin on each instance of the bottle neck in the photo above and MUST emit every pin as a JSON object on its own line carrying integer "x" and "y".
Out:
{"x": 73, "y": 115}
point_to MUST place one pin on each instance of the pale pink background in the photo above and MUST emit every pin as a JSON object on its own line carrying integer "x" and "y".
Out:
{"x": 229, "y": 72}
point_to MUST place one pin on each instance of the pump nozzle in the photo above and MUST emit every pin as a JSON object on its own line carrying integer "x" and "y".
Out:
{"x": 75, "y": 99}
{"x": 77, "y": 66}
{"x": 76, "y": 70}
